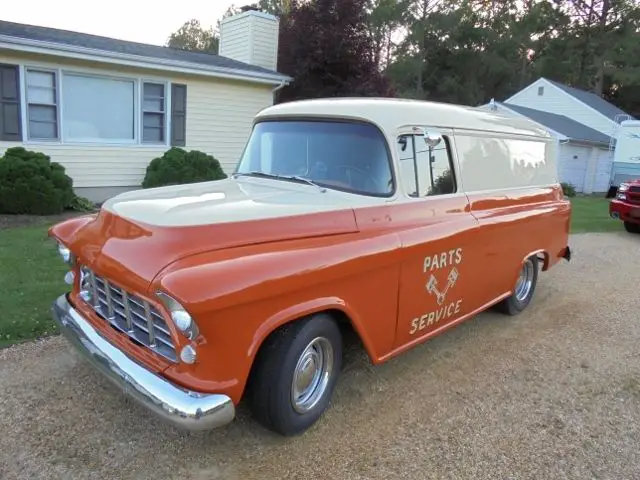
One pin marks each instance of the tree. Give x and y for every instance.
(385, 23)
(193, 37)
(600, 29)
(461, 51)
(275, 7)
(326, 47)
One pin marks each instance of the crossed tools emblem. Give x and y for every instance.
(432, 285)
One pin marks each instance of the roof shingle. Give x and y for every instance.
(561, 124)
(76, 39)
(594, 101)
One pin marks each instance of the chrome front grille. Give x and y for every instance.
(128, 313)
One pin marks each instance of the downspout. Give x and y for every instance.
(280, 86)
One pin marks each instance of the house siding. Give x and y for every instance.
(219, 119)
(559, 102)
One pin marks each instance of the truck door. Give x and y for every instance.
(440, 262)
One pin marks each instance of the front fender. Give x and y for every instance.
(239, 296)
(66, 230)
(220, 280)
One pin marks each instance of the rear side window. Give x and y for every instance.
(425, 171)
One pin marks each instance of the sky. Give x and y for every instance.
(143, 21)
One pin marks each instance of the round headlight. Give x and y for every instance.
(182, 320)
(188, 354)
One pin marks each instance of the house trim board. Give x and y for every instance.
(103, 56)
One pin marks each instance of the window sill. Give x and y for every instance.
(96, 144)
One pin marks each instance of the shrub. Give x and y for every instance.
(568, 189)
(177, 166)
(82, 204)
(30, 183)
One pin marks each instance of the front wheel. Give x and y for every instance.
(632, 227)
(523, 290)
(295, 374)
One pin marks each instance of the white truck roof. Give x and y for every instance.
(391, 113)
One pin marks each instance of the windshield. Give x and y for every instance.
(344, 156)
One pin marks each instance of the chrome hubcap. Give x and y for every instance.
(525, 281)
(311, 375)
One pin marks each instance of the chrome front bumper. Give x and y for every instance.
(183, 408)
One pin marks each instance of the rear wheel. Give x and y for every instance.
(523, 290)
(632, 227)
(295, 374)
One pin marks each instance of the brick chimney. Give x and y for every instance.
(250, 37)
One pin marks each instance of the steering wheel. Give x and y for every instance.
(368, 178)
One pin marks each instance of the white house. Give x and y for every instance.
(583, 123)
(104, 108)
(580, 105)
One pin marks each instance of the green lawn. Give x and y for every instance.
(591, 214)
(31, 273)
(31, 277)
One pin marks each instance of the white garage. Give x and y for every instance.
(572, 164)
(603, 170)
(584, 159)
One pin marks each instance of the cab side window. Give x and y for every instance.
(425, 171)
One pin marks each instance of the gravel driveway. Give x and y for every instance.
(553, 393)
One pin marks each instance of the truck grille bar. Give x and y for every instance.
(129, 313)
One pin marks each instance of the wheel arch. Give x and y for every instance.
(346, 318)
(543, 258)
(541, 255)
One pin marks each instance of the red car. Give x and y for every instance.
(626, 205)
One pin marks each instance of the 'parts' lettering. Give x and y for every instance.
(432, 318)
(442, 260)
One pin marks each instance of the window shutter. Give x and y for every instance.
(10, 121)
(178, 115)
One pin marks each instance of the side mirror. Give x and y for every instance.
(432, 138)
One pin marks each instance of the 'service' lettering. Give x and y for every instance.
(432, 318)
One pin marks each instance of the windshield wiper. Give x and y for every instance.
(306, 180)
(297, 178)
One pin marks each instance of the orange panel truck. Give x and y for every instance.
(393, 219)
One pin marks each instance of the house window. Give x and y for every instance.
(81, 107)
(153, 112)
(540, 91)
(42, 105)
(425, 171)
(98, 109)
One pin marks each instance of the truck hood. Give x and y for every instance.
(139, 233)
(633, 183)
